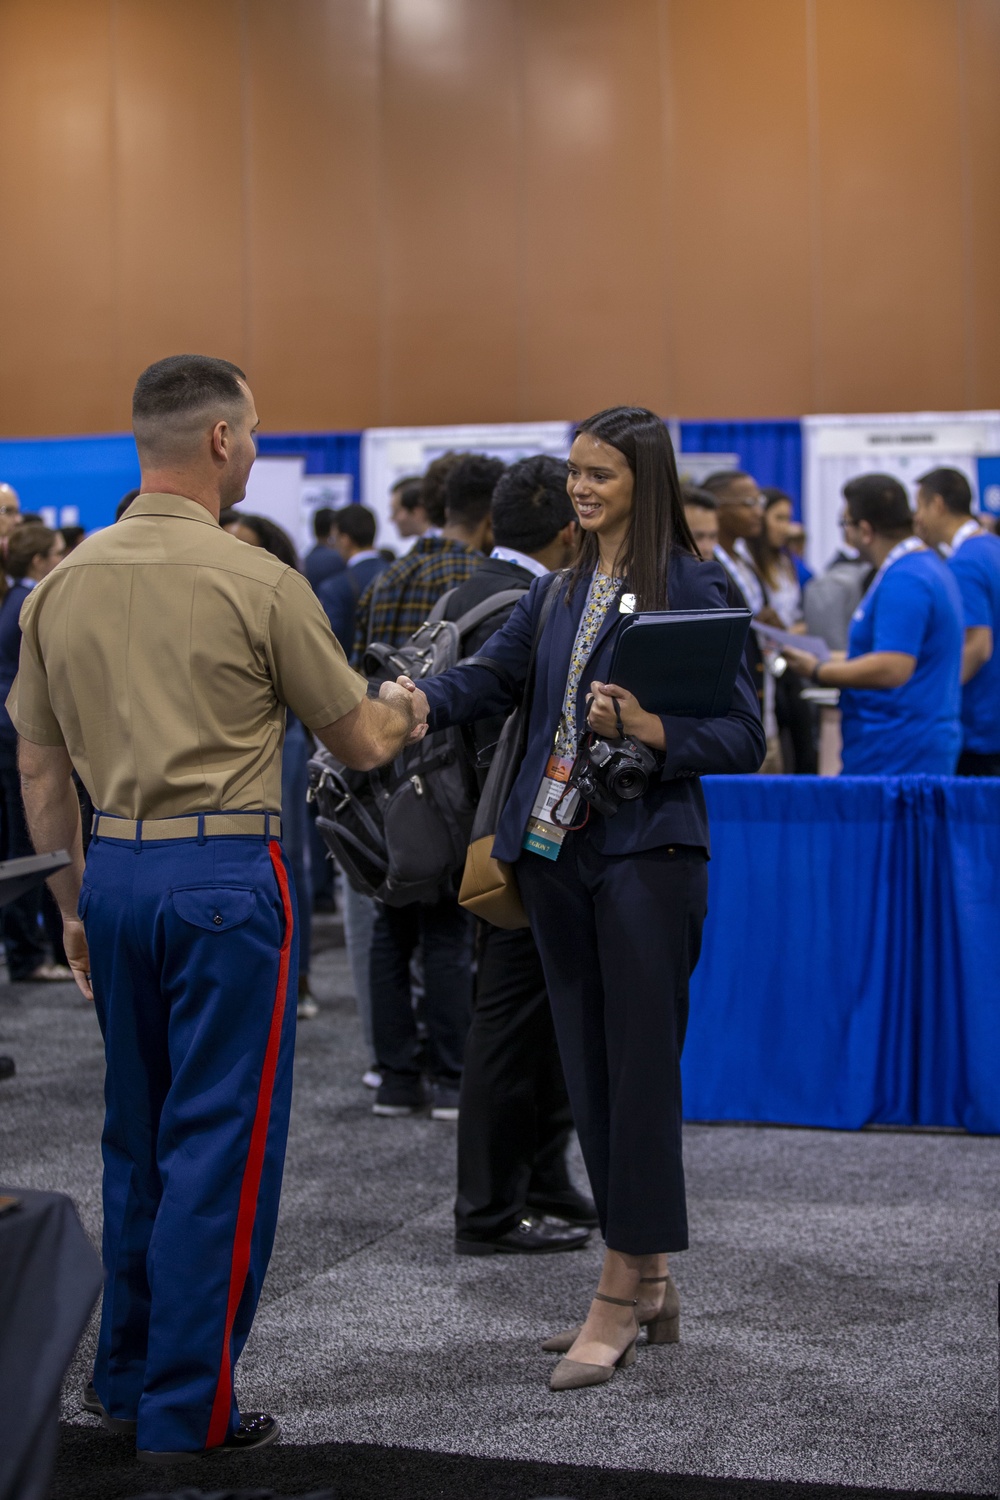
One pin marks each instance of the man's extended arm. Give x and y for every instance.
(376, 730)
(53, 814)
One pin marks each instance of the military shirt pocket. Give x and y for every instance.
(215, 908)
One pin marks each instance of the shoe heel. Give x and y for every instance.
(664, 1329)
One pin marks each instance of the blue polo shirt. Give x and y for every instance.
(976, 566)
(915, 608)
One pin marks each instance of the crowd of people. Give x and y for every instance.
(518, 1035)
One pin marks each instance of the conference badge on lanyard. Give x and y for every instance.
(554, 810)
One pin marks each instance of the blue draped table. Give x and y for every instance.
(850, 972)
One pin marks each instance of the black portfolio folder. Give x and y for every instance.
(681, 662)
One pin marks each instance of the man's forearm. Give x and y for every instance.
(52, 810)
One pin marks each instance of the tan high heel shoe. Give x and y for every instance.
(663, 1328)
(574, 1374)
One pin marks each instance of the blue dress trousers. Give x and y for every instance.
(193, 958)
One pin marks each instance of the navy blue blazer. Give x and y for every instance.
(339, 597)
(322, 562)
(673, 810)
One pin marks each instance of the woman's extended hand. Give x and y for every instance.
(635, 720)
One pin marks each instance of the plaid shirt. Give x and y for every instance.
(409, 588)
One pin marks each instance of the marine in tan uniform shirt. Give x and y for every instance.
(163, 658)
(159, 662)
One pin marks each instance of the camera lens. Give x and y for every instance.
(628, 784)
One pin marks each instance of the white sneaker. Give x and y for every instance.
(307, 1009)
(372, 1079)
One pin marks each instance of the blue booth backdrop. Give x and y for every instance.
(850, 973)
(92, 473)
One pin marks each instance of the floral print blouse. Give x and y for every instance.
(600, 596)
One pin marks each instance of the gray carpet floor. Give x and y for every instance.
(839, 1300)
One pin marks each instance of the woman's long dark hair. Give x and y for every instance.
(658, 521)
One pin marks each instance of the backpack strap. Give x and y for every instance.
(437, 613)
(491, 605)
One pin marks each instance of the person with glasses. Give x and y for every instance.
(740, 504)
(900, 683)
(10, 509)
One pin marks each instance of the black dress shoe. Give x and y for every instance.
(8, 1067)
(256, 1430)
(569, 1205)
(530, 1237)
(92, 1402)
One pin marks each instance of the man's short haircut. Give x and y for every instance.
(409, 493)
(469, 488)
(882, 501)
(323, 522)
(171, 394)
(693, 494)
(530, 505)
(26, 542)
(432, 486)
(356, 522)
(953, 487)
(72, 536)
(720, 481)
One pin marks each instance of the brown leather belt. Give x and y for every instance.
(213, 825)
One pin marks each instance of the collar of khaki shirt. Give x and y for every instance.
(178, 506)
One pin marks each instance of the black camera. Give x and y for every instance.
(610, 772)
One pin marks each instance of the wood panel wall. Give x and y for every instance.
(396, 211)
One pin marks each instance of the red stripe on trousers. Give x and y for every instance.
(218, 1426)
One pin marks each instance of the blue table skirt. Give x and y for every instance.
(850, 972)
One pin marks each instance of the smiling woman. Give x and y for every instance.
(615, 893)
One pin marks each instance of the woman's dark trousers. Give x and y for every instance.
(514, 1119)
(619, 936)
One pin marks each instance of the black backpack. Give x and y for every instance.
(400, 833)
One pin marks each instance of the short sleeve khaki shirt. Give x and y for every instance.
(162, 652)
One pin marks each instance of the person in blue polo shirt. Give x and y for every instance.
(944, 520)
(900, 684)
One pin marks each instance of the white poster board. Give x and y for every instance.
(274, 489)
(332, 491)
(692, 468)
(389, 454)
(905, 445)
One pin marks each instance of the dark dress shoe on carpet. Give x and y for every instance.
(92, 1403)
(8, 1067)
(530, 1237)
(256, 1430)
(569, 1205)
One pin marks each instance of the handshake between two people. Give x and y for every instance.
(407, 697)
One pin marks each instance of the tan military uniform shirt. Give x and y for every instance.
(162, 653)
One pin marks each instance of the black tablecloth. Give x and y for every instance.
(50, 1278)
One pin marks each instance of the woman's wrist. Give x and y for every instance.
(652, 732)
(814, 674)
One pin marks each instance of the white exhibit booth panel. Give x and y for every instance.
(389, 454)
(905, 445)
